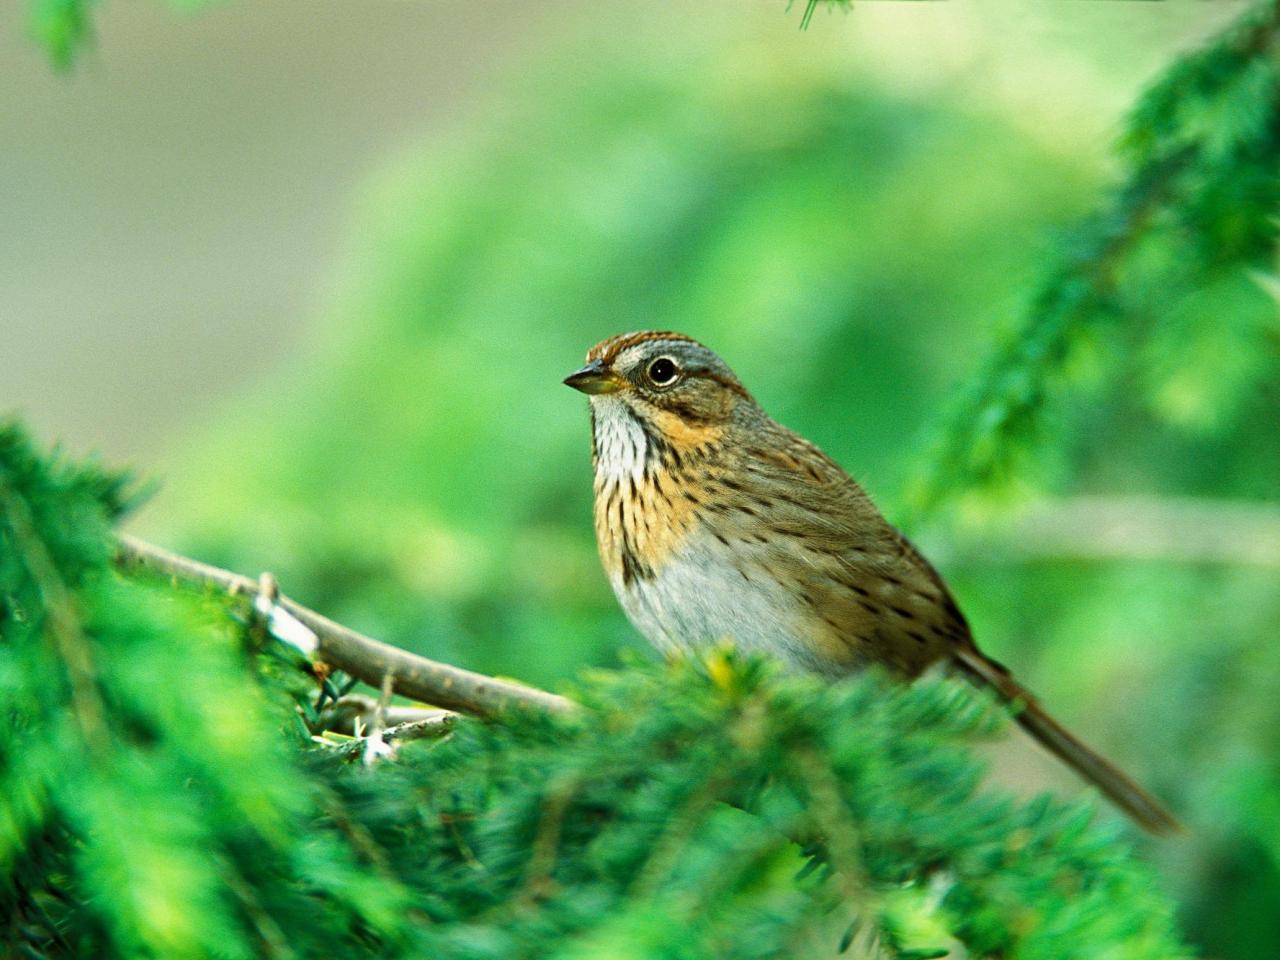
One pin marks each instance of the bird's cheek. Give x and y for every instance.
(685, 434)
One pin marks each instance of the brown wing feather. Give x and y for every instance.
(879, 600)
(876, 597)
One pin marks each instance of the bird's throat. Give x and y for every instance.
(645, 478)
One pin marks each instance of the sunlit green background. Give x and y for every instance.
(319, 271)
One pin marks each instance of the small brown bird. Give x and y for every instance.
(716, 522)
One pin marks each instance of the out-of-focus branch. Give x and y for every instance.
(1232, 533)
(369, 660)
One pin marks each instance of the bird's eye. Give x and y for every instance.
(663, 372)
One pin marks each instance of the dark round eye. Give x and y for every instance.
(663, 372)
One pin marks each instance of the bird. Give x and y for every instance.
(716, 522)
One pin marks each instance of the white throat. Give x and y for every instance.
(621, 445)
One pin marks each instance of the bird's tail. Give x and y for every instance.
(1145, 809)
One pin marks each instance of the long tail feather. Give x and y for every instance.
(1145, 809)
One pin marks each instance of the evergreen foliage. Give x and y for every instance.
(1173, 258)
(148, 799)
(156, 799)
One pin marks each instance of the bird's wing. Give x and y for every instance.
(803, 520)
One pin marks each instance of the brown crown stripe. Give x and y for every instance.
(607, 350)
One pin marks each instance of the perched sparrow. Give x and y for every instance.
(715, 522)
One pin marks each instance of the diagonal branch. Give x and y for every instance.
(363, 657)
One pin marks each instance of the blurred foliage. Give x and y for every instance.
(62, 27)
(149, 803)
(65, 27)
(811, 7)
(800, 222)
(156, 800)
(1156, 343)
(1170, 257)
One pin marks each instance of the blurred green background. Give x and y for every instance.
(319, 272)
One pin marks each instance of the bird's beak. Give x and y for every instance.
(595, 377)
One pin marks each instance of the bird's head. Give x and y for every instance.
(672, 386)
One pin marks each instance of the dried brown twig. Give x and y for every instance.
(369, 660)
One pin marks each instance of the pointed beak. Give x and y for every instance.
(595, 377)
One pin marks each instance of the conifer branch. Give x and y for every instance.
(63, 629)
(369, 660)
(1199, 202)
(668, 808)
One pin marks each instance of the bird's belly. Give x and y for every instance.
(699, 599)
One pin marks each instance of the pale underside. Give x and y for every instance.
(777, 551)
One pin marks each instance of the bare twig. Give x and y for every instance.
(344, 715)
(424, 728)
(370, 660)
(432, 725)
(375, 746)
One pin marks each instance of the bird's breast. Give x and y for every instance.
(670, 530)
(704, 595)
(641, 523)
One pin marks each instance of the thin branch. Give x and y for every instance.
(370, 660)
(425, 728)
(356, 709)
